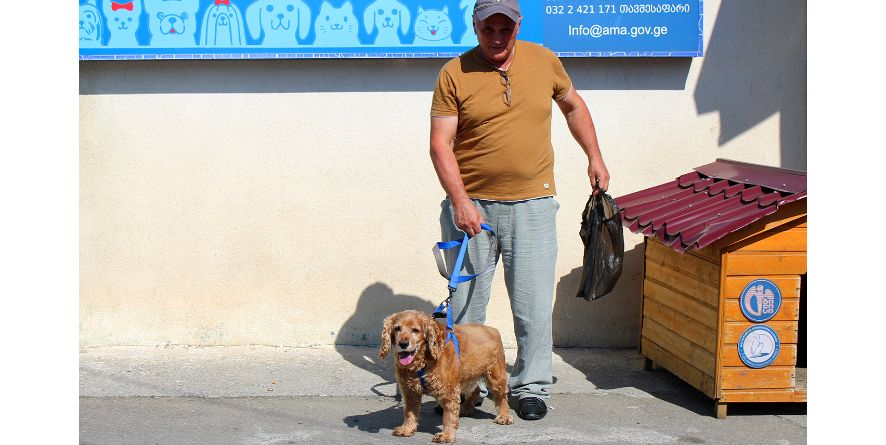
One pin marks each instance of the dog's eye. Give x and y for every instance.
(290, 8)
(397, 329)
(415, 330)
(270, 8)
(394, 11)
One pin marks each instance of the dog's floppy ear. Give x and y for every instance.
(385, 346)
(433, 338)
(369, 18)
(253, 18)
(304, 19)
(405, 19)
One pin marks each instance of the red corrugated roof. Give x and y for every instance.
(714, 200)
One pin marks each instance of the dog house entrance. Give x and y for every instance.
(801, 338)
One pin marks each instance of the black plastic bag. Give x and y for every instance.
(601, 232)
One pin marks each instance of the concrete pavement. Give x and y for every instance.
(331, 395)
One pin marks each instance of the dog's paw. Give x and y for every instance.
(504, 420)
(443, 437)
(402, 431)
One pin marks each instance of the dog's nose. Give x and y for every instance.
(403, 344)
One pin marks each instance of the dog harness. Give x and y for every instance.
(421, 379)
(444, 310)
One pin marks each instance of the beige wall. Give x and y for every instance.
(293, 202)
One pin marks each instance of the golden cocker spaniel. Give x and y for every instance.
(427, 364)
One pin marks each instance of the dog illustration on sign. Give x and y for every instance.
(122, 22)
(433, 27)
(279, 21)
(336, 26)
(90, 25)
(223, 25)
(390, 17)
(173, 23)
(469, 37)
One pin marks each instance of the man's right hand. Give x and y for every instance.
(467, 217)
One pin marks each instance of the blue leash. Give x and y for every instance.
(455, 278)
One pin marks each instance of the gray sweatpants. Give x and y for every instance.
(527, 244)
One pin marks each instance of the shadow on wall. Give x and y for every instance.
(258, 76)
(601, 323)
(628, 73)
(755, 66)
(347, 75)
(363, 328)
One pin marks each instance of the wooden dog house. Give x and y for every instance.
(724, 280)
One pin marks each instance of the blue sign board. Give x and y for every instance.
(760, 300)
(243, 29)
(758, 346)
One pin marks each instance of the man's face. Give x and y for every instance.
(497, 36)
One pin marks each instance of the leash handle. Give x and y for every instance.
(454, 277)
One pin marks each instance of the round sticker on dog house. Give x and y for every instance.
(758, 346)
(760, 300)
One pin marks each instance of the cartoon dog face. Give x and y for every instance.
(173, 23)
(90, 24)
(336, 26)
(387, 16)
(122, 21)
(280, 20)
(223, 25)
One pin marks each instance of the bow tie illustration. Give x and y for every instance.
(115, 6)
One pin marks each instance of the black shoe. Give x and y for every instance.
(439, 409)
(532, 408)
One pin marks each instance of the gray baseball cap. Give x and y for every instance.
(486, 8)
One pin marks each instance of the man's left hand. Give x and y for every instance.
(599, 176)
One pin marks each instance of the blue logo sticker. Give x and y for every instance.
(760, 300)
(758, 346)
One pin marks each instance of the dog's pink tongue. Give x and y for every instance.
(406, 359)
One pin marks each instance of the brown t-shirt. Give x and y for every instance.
(504, 153)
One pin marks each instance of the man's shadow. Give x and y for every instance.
(358, 338)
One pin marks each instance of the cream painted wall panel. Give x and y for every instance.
(294, 202)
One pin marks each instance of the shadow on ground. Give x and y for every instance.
(428, 422)
(375, 303)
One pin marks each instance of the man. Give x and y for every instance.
(491, 148)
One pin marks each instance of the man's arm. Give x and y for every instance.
(443, 129)
(581, 125)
